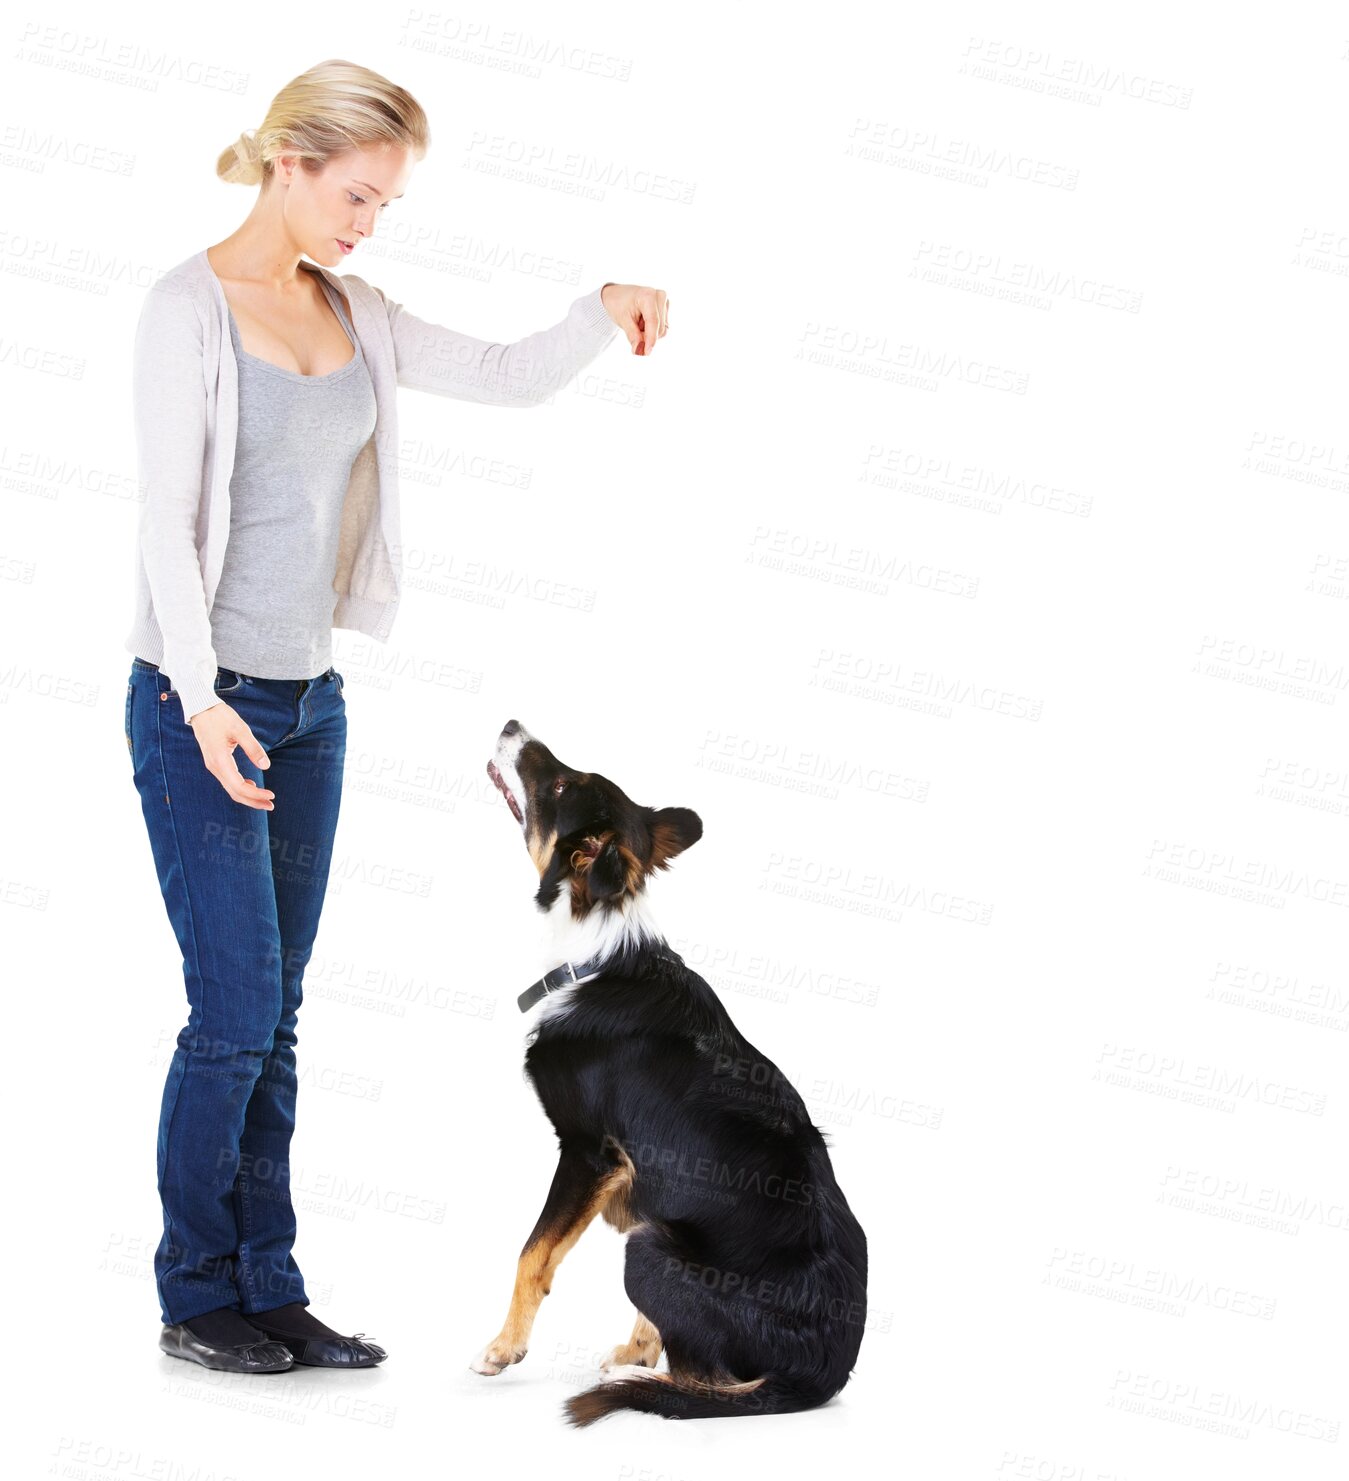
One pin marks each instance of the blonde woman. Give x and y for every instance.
(264, 390)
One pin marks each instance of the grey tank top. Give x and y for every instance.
(272, 616)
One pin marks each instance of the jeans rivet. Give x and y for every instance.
(163, 696)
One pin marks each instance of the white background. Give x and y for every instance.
(1024, 853)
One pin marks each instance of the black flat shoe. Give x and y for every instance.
(266, 1355)
(328, 1352)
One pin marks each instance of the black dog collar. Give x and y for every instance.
(567, 975)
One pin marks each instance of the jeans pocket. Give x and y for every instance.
(341, 683)
(130, 690)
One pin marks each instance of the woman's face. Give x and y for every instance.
(340, 206)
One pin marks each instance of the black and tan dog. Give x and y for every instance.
(743, 1259)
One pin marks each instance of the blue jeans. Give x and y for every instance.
(243, 888)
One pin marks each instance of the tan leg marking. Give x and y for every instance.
(534, 1277)
(643, 1348)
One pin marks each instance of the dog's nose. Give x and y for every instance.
(510, 727)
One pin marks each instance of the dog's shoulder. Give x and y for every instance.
(655, 995)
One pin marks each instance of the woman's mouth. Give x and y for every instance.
(345, 246)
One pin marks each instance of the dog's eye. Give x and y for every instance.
(559, 786)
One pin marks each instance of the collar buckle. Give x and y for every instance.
(558, 980)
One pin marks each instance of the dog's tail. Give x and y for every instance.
(690, 1398)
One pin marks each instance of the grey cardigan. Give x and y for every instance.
(185, 394)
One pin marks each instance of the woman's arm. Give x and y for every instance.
(169, 405)
(430, 357)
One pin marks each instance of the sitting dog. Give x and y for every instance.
(743, 1259)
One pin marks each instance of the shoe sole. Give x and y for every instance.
(300, 1362)
(220, 1367)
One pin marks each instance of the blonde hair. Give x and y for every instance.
(331, 108)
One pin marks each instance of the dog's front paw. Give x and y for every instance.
(496, 1356)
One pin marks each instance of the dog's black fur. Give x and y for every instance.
(742, 1250)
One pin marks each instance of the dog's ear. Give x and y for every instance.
(606, 873)
(602, 866)
(673, 829)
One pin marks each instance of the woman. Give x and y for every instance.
(266, 427)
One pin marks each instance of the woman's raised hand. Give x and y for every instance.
(643, 314)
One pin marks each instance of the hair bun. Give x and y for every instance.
(241, 162)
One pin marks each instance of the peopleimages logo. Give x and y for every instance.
(1211, 1408)
(1237, 1196)
(1118, 1063)
(673, 1165)
(1117, 1279)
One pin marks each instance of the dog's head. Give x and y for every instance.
(583, 832)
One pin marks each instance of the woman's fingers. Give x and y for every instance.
(241, 788)
(642, 313)
(252, 749)
(650, 305)
(219, 730)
